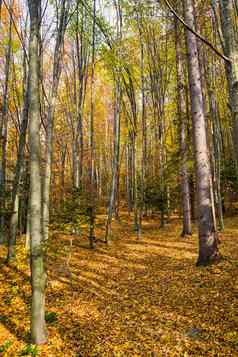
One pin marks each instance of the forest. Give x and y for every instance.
(119, 178)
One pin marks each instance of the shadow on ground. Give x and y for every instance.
(134, 298)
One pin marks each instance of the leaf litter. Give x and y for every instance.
(133, 298)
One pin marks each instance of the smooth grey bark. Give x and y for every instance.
(63, 155)
(117, 129)
(128, 178)
(159, 76)
(208, 242)
(77, 126)
(137, 198)
(132, 138)
(143, 113)
(38, 271)
(205, 86)
(91, 136)
(230, 37)
(100, 175)
(162, 172)
(81, 72)
(116, 156)
(216, 136)
(4, 127)
(216, 126)
(72, 93)
(57, 67)
(17, 175)
(182, 118)
(144, 130)
(28, 233)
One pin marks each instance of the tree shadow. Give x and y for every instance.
(14, 279)
(158, 304)
(133, 300)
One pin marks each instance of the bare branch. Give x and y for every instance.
(203, 39)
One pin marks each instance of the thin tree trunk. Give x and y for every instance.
(137, 203)
(144, 134)
(58, 54)
(128, 178)
(134, 152)
(162, 172)
(62, 174)
(116, 156)
(143, 126)
(117, 122)
(28, 231)
(91, 136)
(17, 176)
(4, 127)
(216, 135)
(82, 53)
(181, 113)
(231, 50)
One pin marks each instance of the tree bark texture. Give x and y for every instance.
(182, 118)
(38, 273)
(208, 242)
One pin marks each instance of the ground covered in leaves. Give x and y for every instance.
(133, 298)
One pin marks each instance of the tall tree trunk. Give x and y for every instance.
(133, 137)
(163, 202)
(38, 272)
(116, 156)
(4, 126)
(230, 36)
(208, 242)
(216, 135)
(58, 54)
(181, 113)
(144, 133)
(62, 173)
(117, 125)
(128, 178)
(82, 53)
(17, 176)
(91, 136)
(143, 124)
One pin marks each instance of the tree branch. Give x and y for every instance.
(203, 39)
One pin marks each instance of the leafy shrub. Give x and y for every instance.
(29, 350)
(51, 317)
(5, 346)
(76, 211)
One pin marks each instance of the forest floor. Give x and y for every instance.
(133, 298)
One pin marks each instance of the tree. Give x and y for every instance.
(117, 125)
(38, 272)
(181, 113)
(230, 37)
(208, 242)
(18, 170)
(63, 7)
(4, 124)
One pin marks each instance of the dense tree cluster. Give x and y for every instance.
(110, 106)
